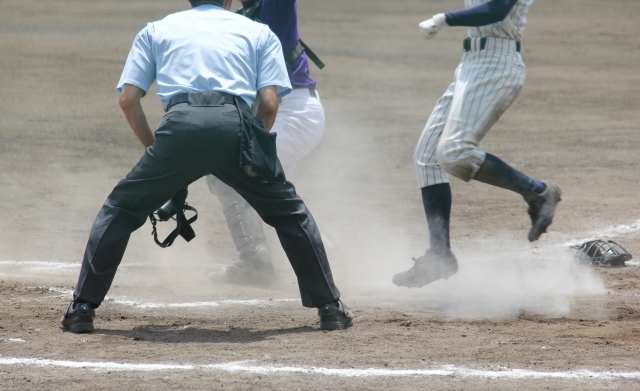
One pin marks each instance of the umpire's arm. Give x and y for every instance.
(268, 105)
(132, 109)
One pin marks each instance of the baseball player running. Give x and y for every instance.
(209, 65)
(487, 81)
(299, 126)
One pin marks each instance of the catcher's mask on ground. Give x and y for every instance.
(600, 252)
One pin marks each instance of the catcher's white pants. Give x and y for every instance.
(299, 125)
(485, 84)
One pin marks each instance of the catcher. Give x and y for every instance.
(299, 126)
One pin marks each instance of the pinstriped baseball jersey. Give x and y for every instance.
(511, 27)
(486, 83)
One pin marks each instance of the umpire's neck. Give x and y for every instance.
(226, 4)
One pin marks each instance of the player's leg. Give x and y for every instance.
(490, 83)
(299, 125)
(245, 225)
(280, 207)
(166, 167)
(432, 178)
(541, 196)
(438, 262)
(148, 186)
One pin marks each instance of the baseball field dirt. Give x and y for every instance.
(516, 316)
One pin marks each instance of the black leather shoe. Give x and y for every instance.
(335, 316)
(78, 318)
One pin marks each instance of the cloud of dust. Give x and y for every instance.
(500, 277)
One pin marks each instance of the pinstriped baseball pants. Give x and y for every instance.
(485, 84)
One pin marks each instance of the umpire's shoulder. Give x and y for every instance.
(249, 23)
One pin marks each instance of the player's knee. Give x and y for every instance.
(459, 159)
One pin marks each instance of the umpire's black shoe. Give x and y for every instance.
(78, 318)
(542, 208)
(432, 266)
(335, 316)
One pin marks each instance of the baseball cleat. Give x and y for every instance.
(430, 267)
(335, 316)
(249, 273)
(542, 207)
(78, 318)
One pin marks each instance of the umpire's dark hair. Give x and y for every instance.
(195, 3)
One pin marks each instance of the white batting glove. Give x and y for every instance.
(430, 27)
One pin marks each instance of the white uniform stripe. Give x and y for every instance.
(505, 80)
(436, 168)
(508, 79)
(478, 100)
(441, 120)
(427, 169)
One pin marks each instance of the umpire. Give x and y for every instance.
(209, 64)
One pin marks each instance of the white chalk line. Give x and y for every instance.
(41, 264)
(57, 265)
(249, 367)
(609, 232)
(150, 305)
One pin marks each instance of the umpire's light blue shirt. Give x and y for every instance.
(206, 48)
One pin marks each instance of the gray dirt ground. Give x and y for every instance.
(64, 144)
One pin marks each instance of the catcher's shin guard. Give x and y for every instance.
(245, 226)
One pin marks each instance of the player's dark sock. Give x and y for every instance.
(437, 206)
(498, 173)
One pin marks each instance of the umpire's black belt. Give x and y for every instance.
(208, 98)
(496, 44)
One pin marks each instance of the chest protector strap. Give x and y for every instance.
(253, 13)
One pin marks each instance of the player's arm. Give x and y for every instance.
(268, 105)
(488, 13)
(272, 79)
(132, 109)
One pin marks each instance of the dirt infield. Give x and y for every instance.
(517, 315)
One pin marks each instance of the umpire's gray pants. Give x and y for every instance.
(193, 141)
